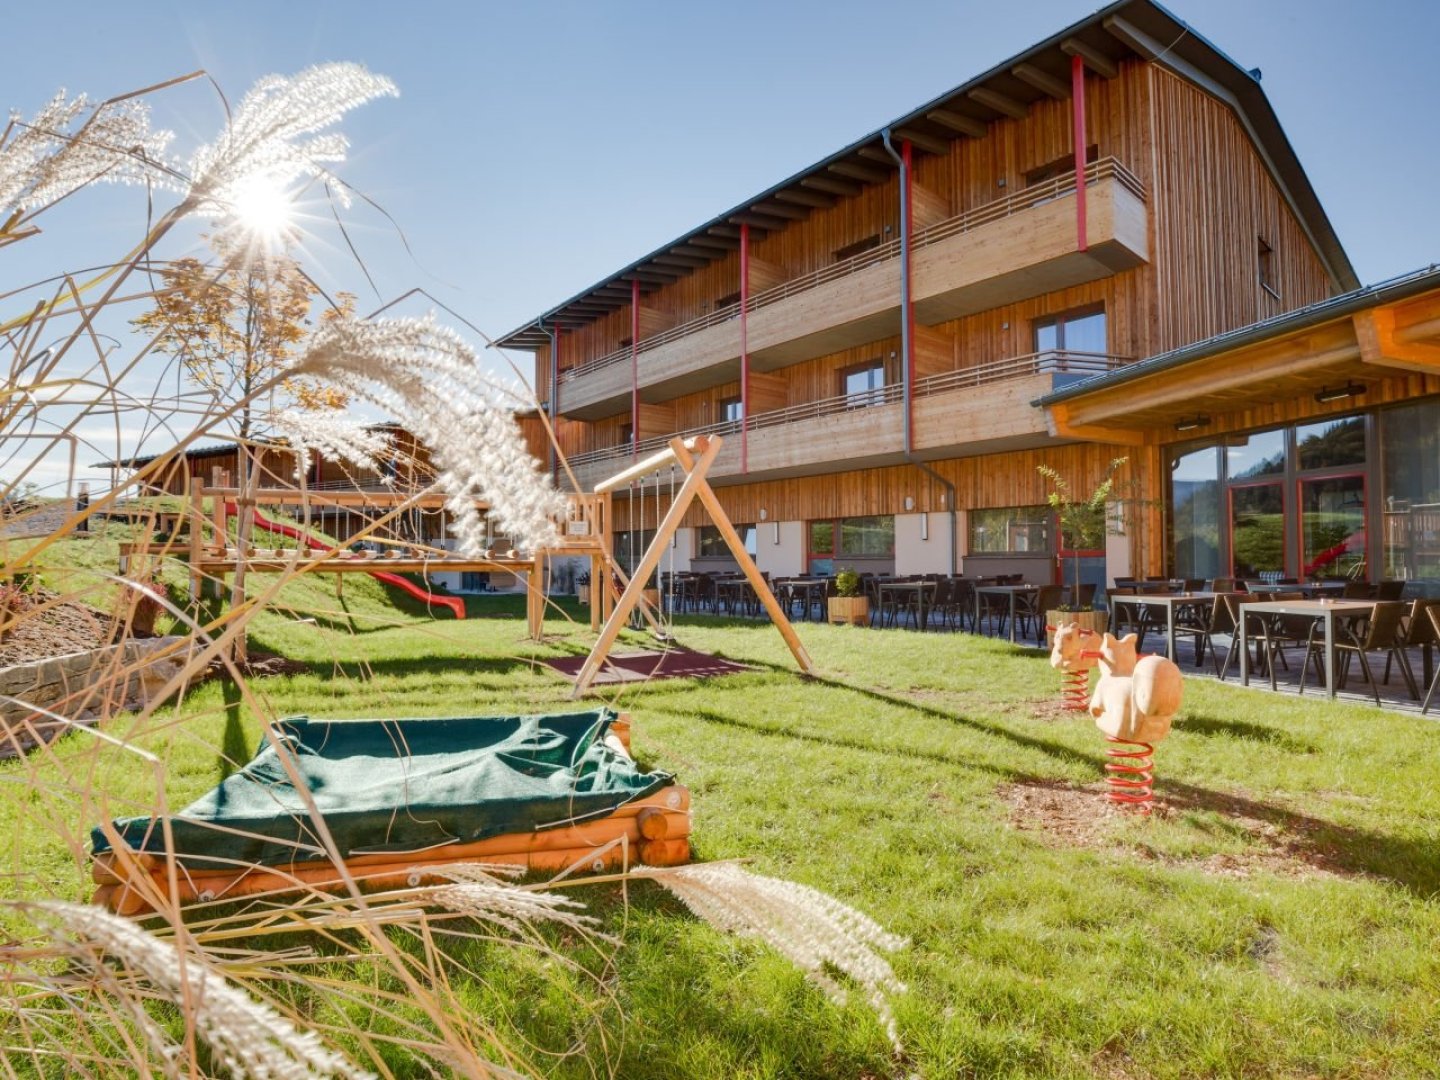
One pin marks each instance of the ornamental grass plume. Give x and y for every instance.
(42, 160)
(426, 378)
(476, 891)
(246, 1037)
(265, 136)
(815, 932)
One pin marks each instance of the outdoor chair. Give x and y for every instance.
(962, 603)
(1225, 584)
(939, 602)
(1419, 633)
(1030, 610)
(1219, 622)
(1433, 613)
(1382, 631)
(1390, 590)
(1279, 632)
(1358, 590)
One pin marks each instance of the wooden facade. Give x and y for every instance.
(1194, 225)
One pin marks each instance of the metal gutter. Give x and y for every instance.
(1336, 307)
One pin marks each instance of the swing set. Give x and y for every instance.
(692, 459)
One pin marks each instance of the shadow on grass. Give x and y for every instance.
(1243, 729)
(234, 750)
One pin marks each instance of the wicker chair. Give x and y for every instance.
(1433, 613)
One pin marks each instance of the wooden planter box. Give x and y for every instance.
(850, 610)
(1088, 620)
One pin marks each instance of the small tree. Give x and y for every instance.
(1082, 523)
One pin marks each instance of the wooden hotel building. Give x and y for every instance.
(1104, 247)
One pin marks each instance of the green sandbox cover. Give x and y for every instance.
(402, 786)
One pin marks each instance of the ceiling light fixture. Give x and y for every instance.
(1190, 423)
(1340, 393)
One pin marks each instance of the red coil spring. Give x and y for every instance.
(1075, 690)
(1130, 774)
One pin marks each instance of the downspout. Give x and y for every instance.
(907, 342)
(551, 405)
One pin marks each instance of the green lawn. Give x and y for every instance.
(1279, 918)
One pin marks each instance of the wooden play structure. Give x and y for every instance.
(694, 458)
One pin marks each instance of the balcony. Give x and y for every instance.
(977, 410)
(1017, 247)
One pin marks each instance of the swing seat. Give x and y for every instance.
(398, 797)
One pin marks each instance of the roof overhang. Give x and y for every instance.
(1345, 343)
(1127, 29)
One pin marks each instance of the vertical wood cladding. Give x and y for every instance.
(1212, 202)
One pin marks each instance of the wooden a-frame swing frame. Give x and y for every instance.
(694, 456)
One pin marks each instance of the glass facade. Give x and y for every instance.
(709, 544)
(1355, 496)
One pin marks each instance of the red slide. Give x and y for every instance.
(454, 603)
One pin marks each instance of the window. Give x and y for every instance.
(1195, 513)
(849, 251)
(1010, 530)
(1061, 166)
(1410, 489)
(709, 544)
(868, 537)
(731, 409)
(1331, 443)
(1251, 456)
(627, 435)
(1081, 331)
(728, 299)
(863, 384)
(1266, 260)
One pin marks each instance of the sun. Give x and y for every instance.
(263, 208)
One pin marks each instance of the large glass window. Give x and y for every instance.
(1332, 526)
(709, 544)
(1248, 457)
(1331, 443)
(1410, 492)
(868, 537)
(1257, 529)
(1195, 514)
(1079, 331)
(1010, 530)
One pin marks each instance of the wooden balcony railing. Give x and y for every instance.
(1052, 362)
(1104, 169)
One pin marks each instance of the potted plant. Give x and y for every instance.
(1083, 527)
(582, 587)
(849, 605)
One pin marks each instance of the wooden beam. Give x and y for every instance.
(1059, 89)
(702, 252)
(680, 260)
(1094, 59)
(694, 480)
(721, 243)
(878, 154)
(805, 198)
(1381, 346)
(730, 231)
(832, 184)
(993, 99)
(931, 144)
(856, 171)
(955, 121)
(780, 209)
(757, 221)
(1057, 421)
(650, 272)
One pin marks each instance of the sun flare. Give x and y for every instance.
(263, 208)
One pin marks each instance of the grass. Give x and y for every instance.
(1143, 952)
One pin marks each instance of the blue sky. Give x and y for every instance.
(537, 147)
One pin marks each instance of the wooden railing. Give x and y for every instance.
(1014, 203)
(1051, 362)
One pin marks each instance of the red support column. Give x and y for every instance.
(1077, 101)
(555, 403)
(744, 349)
(907, 155)
(635, 369)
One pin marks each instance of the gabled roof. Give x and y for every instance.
(1122, 30)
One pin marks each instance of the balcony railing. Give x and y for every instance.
(1104, 169)
(1051, 362)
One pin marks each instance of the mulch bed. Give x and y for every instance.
(645, 665)
(1082, 816)
(58, 631)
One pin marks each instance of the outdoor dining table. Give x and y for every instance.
(919, 588)
(1311, 589)
(809, 587)
(1012, 591)
(734, 591)
(1170, 602)
(1326, 611)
